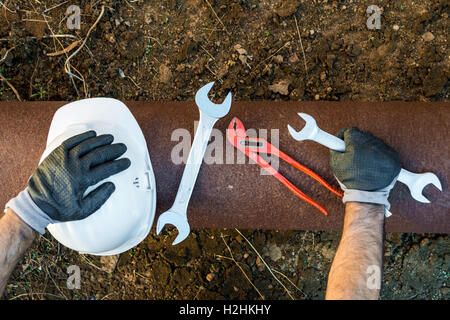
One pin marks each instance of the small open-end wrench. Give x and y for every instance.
(416, 182)
(209, 114)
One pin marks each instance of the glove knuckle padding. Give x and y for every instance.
(75, 140)
(93, 143)
(367, 163)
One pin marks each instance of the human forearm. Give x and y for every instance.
(15, 238)
(360, 253)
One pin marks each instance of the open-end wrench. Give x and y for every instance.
(209, 114)
(416, 182)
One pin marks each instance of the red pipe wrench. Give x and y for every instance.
(236, 135)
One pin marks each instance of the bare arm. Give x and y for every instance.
(359, 257)
(15, 238)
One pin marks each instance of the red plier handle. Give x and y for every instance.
(253, 146)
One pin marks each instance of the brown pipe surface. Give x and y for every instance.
(236, 195)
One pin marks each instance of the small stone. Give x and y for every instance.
(428, 36)
(327, 253)
(108, 263)
(239, 49)
(281, 87)
(278, 59)
(180, 67)
(395, 27)
(295, 94)
(293, 58)
(148, 18)
(259, 264)
(243, 56)
(311, 32)
(110, 38)
(164, 73)
(245, 255)
(210, 276)
(445, 290)
(274, 252)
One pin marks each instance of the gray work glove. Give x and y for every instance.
(55, 191)
(367, 170)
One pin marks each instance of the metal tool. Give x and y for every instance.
(236, 135)
(416, 182)
(209, 114)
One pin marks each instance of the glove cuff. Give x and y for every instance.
(24, 206)
(378, 197)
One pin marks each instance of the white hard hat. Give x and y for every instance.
(127, 216)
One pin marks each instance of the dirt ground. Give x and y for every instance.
(261, 50)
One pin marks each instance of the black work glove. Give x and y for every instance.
(367, 170)
(58, 185)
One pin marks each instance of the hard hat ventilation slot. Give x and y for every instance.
(143, 179)
(136, 182)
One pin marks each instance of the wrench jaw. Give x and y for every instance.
(211, 109)
(418, 196)
(420, 184)
(309, 130)
(177, 220)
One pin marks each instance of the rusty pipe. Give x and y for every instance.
(237, 195)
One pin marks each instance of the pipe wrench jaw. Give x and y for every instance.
(237, 136)
(236, 128)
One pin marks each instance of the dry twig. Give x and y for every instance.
(55, 6)
(65, 50)
(232, 258)
(216, 16)
(301, 44)
(37, 293)
(272, 55)
(289, 280)
(2, 78)
(67, 63)
(6, 54)
(3, 5)
(267, 266)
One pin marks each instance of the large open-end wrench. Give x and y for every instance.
(209, 114)
(416, 182)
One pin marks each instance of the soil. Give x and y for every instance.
(153, 50)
